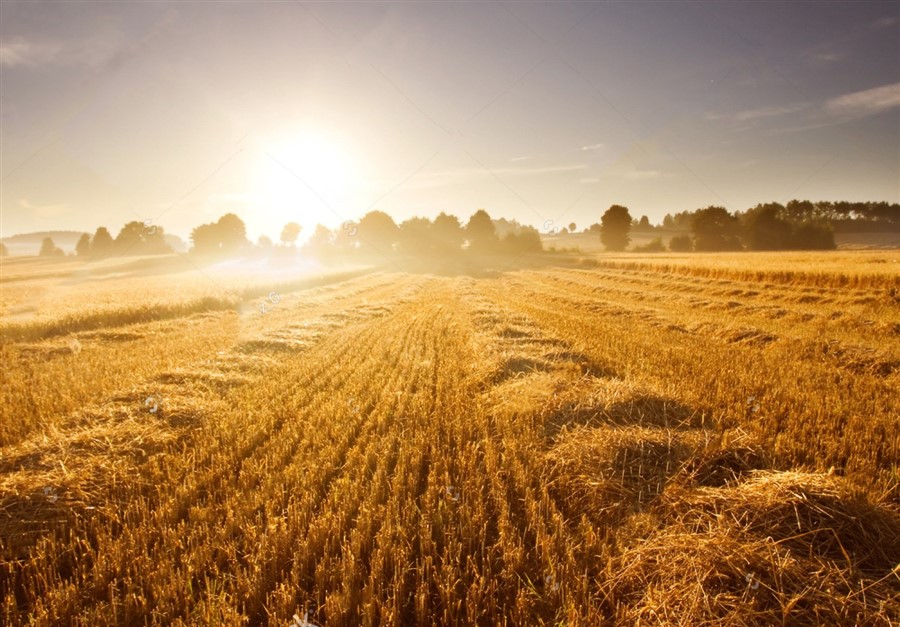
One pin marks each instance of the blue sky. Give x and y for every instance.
(543, 112)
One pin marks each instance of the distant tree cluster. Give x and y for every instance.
(376, 234)
(135, 238)
(799, 225)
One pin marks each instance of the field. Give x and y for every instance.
(657, 439)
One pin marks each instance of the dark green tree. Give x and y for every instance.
(681, 244)
(766, 229)
(714, 229)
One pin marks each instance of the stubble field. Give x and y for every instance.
(616, 440)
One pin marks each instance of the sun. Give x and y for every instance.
(304, 178)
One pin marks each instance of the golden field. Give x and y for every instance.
(582, 440)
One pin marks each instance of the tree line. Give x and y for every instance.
(377, 234)
(798, 225)
(135, 238)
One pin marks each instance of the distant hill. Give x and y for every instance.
(30, 243)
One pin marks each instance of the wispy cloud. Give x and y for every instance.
(759, 112)
(644, 175)
(836, 110)
(885, 22)
(517, 159)
(768, 112)
(593, 147)
(826, 56)
(866, 102)
(19, 52)
(45, 211)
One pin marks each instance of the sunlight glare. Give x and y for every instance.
(306, 179)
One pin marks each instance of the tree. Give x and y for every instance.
(480, 232)
(415, 236)
(290, 233)
(49, 249)
(765, 229)
(800, 210)
(322, 240)
(264, 242)
(205, 239)
(102, 243)
(232, 234)
(83, 247)
(813, 235)
(377, 232)
(653, 246)
(614, 227)
(139, 238)
(4, 251)
(572, 227)
(681, 244)
(447, 233)
(715, 229)
(526, 240)
(228, 236)
(644, 224)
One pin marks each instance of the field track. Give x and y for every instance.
(564, 445)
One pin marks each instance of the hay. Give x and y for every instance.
(780, 548)
(608, 471)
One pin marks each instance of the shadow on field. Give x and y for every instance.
(646, 410)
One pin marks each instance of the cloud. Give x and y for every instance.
(643, 175)
(759, 112)
(833, 111)
(768, 112)
(827, 56)
(593, 147)
(19, 52)
(516, 159)
(45, 211)
(884, 22)
(866, 102)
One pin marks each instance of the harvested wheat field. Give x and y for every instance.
(619, 440)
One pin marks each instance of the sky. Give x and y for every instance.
(543, 112)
